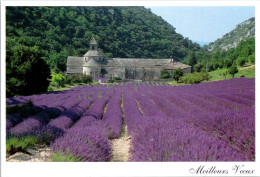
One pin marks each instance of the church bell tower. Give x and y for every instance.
(93, 45)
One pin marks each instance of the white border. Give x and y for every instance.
(80, 169)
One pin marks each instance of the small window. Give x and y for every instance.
(93, 48)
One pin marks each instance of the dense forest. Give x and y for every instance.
(120, 31)
(39, 39)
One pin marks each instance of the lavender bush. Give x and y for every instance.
(87, 144)
(212, 121)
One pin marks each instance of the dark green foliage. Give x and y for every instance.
(74, 78)
(191, 60)
(110, 81)
(210, 67)
(224, 59)
(227, 63)
(241, 61)
(198, 67)
(233, 70)
(26, 70)
(68, 79)
(86, 79)
(177, 74)
(121, 32)
(194, 78)
(117, 78)
(20, 110)
(164, 74)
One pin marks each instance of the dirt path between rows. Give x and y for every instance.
(121, 146)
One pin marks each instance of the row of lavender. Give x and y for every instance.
(55, 110)
(204, 122)
(77, 122)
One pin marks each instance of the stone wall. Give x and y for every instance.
(187, 70)
(152, 74)
(134, 73)
(145, 74)
(93, 71)
(74, 70)
(111, 72)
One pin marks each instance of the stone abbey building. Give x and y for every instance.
(97, 64)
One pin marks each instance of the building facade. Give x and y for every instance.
(97, 64)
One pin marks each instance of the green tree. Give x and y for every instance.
(193, 60)
(26, 71)
(198, 67)
(241, 61)
(120, 31)
(177, 74)
(251, 58)
(233, 70)
(227, 63)
(164, 74)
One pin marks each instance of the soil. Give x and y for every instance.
(31, 155)
(121, 147)
(247, 67)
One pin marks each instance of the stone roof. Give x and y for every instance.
(75, 61)
(93, 41)
(94, 53)
(176, 65)
(140, 62)
(92, 63)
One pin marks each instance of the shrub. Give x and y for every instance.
(177, 74)
(194, 78)
(216, 65)
(89, 144)
(241, 61)
(198, 67)
(233, 70)
(57, 79)
(251, 59)
(16, 144)
(75, 78)
(117, 78)
(68, 79)
(86, 79)
(210, 67)
(110, 81)
(164, 74)
(227, 63)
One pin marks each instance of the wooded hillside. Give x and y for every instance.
(120, 31)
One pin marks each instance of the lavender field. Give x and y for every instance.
(212, 121)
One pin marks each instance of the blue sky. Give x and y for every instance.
(204, 24)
